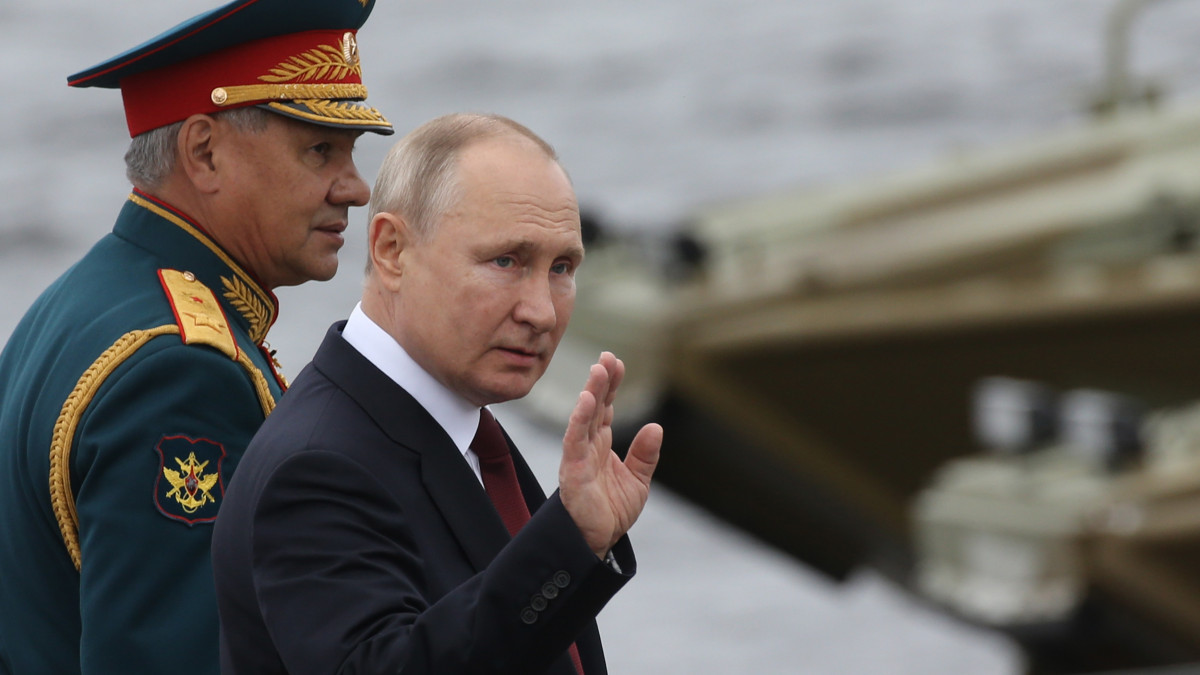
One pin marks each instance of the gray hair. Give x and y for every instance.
(151, 155)
(418, 179)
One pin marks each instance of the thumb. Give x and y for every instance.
(643, 454)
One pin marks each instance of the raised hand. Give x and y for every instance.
(604, 495)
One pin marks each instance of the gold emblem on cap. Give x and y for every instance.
(323, 62)
(312, 74)
(349, 48)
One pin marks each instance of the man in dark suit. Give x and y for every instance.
(369, 529)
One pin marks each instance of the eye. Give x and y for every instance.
(505, 261)
(322, 148)
(563, 267)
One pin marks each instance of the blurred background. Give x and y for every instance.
(911, 289)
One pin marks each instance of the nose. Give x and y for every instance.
(350, 188)
(535, 307)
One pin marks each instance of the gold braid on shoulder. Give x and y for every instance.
(62, 498)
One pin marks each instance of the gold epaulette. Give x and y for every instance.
(200, 317)
(201, 321)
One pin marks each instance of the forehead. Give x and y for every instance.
(512, 162)
(513, 175)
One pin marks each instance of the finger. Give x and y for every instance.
(644, 452)
(607, 359)
(598, 387)
(616, 375)
(616, 372)
(575, 439)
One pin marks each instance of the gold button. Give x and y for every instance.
(349, 49)
(219, 96)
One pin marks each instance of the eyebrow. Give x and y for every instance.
(525, 246)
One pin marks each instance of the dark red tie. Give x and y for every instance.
(500, 481)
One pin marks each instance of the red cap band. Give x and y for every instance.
(319, 64)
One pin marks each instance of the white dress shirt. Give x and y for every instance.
(457, 416)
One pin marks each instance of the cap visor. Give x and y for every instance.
(339, 113)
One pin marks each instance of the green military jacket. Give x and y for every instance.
(128, 393)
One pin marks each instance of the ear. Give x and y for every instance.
(388, 239)
(194, 151)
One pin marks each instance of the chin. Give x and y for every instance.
(505, 394)
(324, 272)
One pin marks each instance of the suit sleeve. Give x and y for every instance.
(147, 602)
(339, 581)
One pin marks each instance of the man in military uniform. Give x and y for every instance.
(131, 387)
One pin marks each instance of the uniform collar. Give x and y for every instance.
(184, 245)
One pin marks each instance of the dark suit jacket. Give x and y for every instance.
(355, 539)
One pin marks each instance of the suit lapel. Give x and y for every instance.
(465, 506)
(451, 484)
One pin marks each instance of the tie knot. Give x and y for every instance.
(489, 440)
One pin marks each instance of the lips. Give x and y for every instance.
(519, 351)
(521, 355)
(333, 228)
(334, 232)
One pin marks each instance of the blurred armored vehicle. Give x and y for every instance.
(978, 378)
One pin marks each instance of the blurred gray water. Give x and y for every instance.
(656, 107)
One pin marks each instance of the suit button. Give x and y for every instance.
(538, 603)
(529, 616)
(550, 591)
(562, 579)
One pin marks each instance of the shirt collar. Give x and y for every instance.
(457, 416)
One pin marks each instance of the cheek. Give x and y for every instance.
(265, 195)
(481, 316)
(564, 306)
(476, 291)
(452, 304)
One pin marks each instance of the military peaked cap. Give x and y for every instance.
(298, 58)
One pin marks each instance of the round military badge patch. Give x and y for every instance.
(189, 485)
